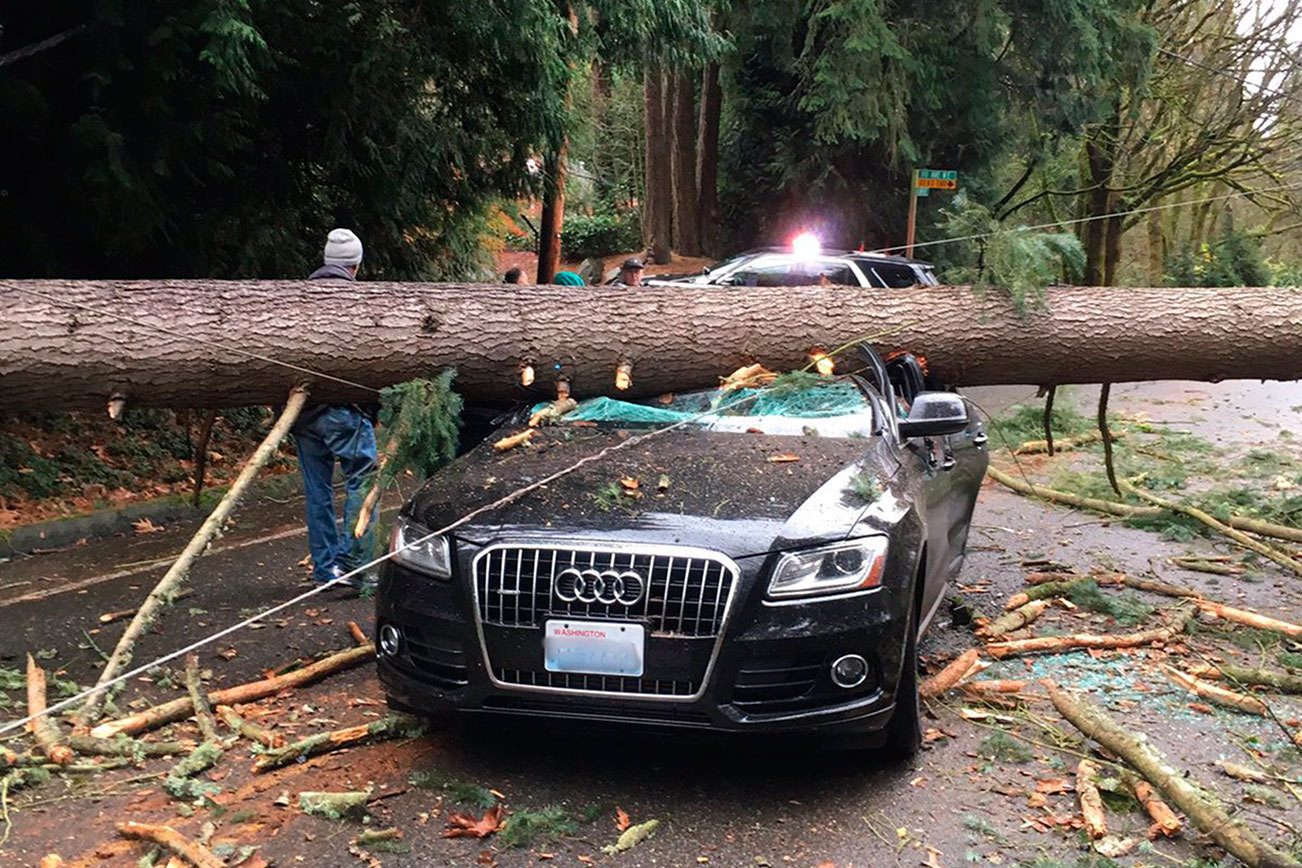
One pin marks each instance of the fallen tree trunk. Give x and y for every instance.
(73, 344)
(1205, 810)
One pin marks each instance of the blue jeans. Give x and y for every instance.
(336, 434)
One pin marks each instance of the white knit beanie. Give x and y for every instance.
(343, 247)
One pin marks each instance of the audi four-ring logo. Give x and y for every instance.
(599, 586)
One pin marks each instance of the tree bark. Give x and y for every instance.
(687, 227)
(190, 342)
(707, 160)
(657, 211)
(553, 215)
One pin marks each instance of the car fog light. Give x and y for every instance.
(849, 671)
(390, 640)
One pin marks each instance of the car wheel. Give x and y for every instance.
(904, 732)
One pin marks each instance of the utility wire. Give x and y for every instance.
(279, 607)
(68, 303)
(1242, 82)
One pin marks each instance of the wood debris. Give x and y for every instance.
(1173, 626)
(165, 836)
(951, 675)
(1219, 695)
(392, 726)
(514, 440)
(1091, 801)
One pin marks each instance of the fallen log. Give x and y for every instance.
(950, 675)
(1282, 682)
(1016, 619)
(1250, 619)
(1216, 694)
(1173, 626)
(1125, 510)
(1066, 444)
(1234, 535)
(199, 341)
(43, 729)
(392, 726)
(1165, 821)
(1091, 801)
(249, 730)
(1206, 810)
(165, 836)
(180, 709)
(126, 747)
(170, 583)
(202, 712)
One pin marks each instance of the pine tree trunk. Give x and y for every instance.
(1094, 234)
(54, 356)
(707, 160)
(657, 213)
(1156, 248)
(553, 215)
(687, 227)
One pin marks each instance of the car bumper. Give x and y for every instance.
(768, 672)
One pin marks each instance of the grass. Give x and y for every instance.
(1002, 746)
(524, 827)
(1289, 659)
(612, 496)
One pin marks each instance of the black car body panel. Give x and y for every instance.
(727, 656)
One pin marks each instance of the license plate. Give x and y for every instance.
(593, 647)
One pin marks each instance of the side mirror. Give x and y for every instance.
(935, 414)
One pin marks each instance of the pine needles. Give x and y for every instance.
(421, 421)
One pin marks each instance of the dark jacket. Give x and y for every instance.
(330, 271)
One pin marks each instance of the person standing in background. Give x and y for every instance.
(345, 433)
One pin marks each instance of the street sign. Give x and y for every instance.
(937, 179)
(924, 181)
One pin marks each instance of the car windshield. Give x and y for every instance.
(831, 408)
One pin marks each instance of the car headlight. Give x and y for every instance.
(847, 566)
(413, 546)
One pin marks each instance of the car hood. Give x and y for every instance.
(739, 494)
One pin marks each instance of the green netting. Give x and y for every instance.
(821, 401)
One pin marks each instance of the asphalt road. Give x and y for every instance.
(720, 802)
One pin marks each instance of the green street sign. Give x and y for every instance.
(936, 179)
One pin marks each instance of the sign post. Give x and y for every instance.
(924, 181)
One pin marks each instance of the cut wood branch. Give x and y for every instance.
(393, 726)
(355, 630)
(171, 581)
(165, 836)
(1205, 565)
(1165, 821)
(1214, 693)
(1236, 536)
(394, 440)
(1066, 498)
(1018, 618)
(1066, 444)
(514, 440)
(46, 731)
(1281, 682)
(1205, 809)
(1080, 335)
(202, 712)
(1091, 801)
(1173, 626)
(950, 675)
(249, 730)
(180, 709)
(1250, 619)
(127, 747)
(1126, 510)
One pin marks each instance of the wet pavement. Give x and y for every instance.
(720, 802)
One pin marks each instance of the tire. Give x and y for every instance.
(904, 731)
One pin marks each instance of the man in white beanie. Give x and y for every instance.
(343, 433)
(343, 256)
